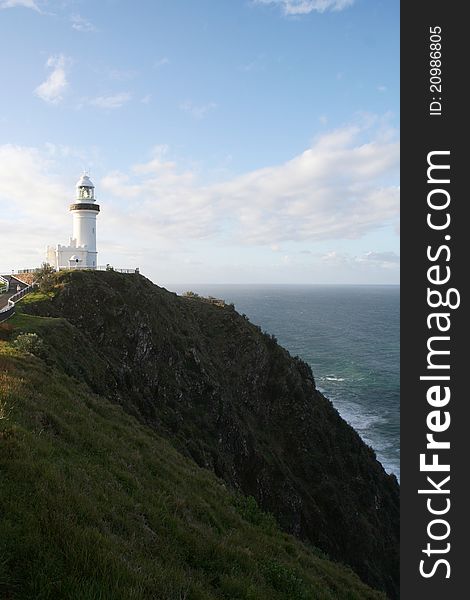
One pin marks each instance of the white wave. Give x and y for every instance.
(363, 421)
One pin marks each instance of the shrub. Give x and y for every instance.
(31, 343)
(285, 580)
(44, 277)
(248, 508)
(6, 331)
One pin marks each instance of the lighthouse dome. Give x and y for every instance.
(85, 181)
(85, 189)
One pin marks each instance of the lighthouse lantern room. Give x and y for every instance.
(81, 252)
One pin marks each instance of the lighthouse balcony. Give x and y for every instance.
(85, 206)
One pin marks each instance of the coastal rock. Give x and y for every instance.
(228, 396)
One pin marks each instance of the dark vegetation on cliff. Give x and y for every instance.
(224, 395)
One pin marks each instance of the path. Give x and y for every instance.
(4, 299)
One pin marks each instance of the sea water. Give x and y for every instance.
(350, 337)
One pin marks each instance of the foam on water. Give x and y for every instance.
(350, 337)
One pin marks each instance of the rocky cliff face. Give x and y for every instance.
(231, 398)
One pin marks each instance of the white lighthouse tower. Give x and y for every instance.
(84, 212)
(82, 250)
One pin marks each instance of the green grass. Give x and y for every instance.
(95, 505)
(37, 296)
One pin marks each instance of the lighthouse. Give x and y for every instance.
(81, 251)
(84, 212)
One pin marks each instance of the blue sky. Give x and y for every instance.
(231, 141)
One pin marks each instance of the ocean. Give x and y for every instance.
(350, 337)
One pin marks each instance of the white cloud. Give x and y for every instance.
(19, 3)
(112, 101)
(161, 62)
(28, 192)
(382, 88)
(26, 180)
(304, 7)
(122, 74)
(52, 89)
(381, 260)
(197, 111)
(385, 260)
(81, 24)
(257, 64)
(342, 187)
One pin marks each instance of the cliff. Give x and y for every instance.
(228, 397)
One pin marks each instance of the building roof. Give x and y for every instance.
(27, 278)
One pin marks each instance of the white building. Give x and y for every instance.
(81, 252)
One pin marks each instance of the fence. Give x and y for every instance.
(100, 268)
(6, 312)
(9, 310)
(3, 284)
(81, 268)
